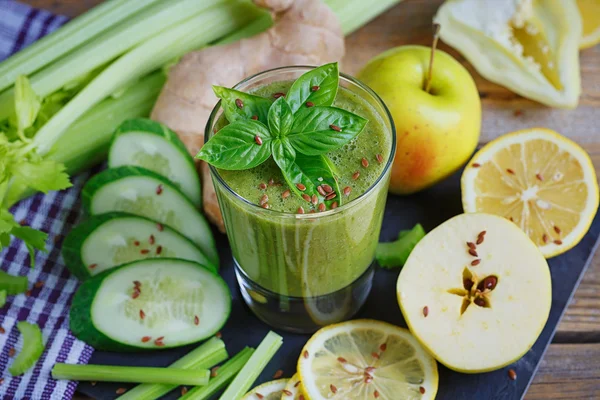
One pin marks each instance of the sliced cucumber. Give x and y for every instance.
(145, 143)
(33, 347)
(108, 240)
(150, 304)
(139, 191)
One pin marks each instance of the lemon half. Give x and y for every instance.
(540, 180)
(366, 359)
(590, 18)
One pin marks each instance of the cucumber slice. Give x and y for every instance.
(139, 191)
(145, 143)
(150, 304)
(107, 240)
(33, 347)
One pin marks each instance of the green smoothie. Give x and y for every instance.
(315, 253)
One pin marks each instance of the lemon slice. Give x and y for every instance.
(267, 391)
(366, 359)
(590, 18)
(293, 389)
(540, 180)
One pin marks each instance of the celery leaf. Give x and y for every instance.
(27, 105)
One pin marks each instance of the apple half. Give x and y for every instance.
(476, 292)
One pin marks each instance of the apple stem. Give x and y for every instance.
(436, 36)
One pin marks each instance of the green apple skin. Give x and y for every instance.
(436, 131)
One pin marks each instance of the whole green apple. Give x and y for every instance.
(436, 130)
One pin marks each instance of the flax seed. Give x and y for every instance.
(475, 165)
(356, 175)
(334, 205)
(196, 320)
(331, 196)
(347, 191)
(306, 197)
(315, 200)
(278, 374)
(315, 88)
(539, 177)
(213, 371)
(558, 242)
(310, 104)
(278, 95)
(160, 227)
(510, 171)
(136, 243)
(473, 253)
(120, 390)
(262, 186)
(364, 162)
(375, 355)
(342, 360)
(2, 330)
(328, 189)
(135, 294)
(264, 199)
(159, 189)
(475, 262)
(512, 374)
(218, 335)
(144, 251)
(379, 158)
(421, 390)
(322, 207)
(300, 210)
(151, 239)
(557, 229)
(286, 194)
(471, 245)
(184, 390)
(39, 284)
(321, 190)
(335, 128)
(254, 117)
(239, 103)
(425, 311)
(12, 352)
(142, 314)
(146, 339)
(158, 250)
(266, 206)
(305, 354)
(92, 266)
(545, 238)
(376, 394)
(260, 396)
(137, 284)
(301, 187)
(333, 388)
(287, 392)
(28, 293)
(258, 140)
(383, 347)
(297, 384)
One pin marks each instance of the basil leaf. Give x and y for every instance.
(235, 146)
(312, 133)
(252, 106)
(326, 78)
(320, 171)
(285, 157)
(280, 118)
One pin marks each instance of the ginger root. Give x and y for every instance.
(306, 32)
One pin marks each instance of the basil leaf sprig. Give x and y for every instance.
(297, 130)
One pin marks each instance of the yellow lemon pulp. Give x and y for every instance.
(540, 180)
(366, 359)
(267, 391)
(590, 17)
(293, 389)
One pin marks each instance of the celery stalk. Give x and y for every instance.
(355, 13)
(207, 355)
(117, 373)
(53, 46)
(224, 375)
(174, 42)
(145, 25)
(255, 365)
(86, 142)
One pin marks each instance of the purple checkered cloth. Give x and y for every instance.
(51, 285)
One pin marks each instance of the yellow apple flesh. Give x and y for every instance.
(475, 307)
(436, 131)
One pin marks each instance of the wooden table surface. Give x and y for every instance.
(571, 367)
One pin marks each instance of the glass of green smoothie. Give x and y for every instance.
(302, 232)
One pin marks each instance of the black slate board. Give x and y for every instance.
(430, 208)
